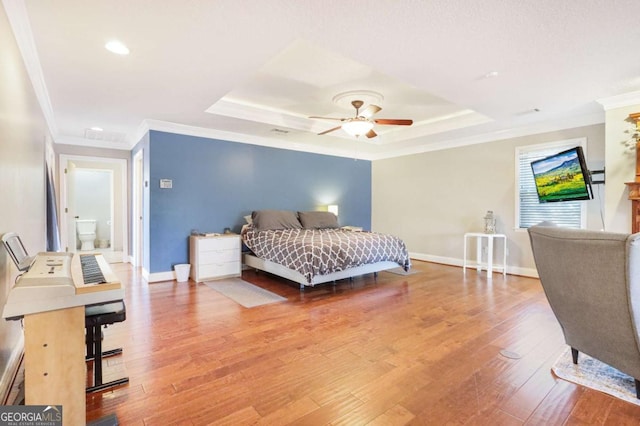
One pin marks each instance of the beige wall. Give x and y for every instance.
(620, 167)
(23, 133)
(431, 199)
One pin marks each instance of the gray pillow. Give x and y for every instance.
(264, 220)
(318, 220)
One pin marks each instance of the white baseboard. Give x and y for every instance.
(12, 369)
(160, 276)
(145, 274)
(525, 272)
(436, 259)
(514, 270)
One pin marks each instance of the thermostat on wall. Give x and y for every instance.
(166, 183)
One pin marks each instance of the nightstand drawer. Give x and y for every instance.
(218, 256)
(219, 243)
(220, 269)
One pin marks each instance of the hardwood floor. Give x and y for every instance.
(417, 349)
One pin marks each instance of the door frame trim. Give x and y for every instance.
(137, 207)
(64, 160)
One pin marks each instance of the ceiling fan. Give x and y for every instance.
(362, 123)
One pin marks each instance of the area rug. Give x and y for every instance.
(400, 271)
(244, 293)
(596, 375)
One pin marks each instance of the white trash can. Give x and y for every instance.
(182, 272)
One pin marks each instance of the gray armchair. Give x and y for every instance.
(592, 282)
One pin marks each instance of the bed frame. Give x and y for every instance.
(290, 274)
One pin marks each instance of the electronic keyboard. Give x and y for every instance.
(62, 280)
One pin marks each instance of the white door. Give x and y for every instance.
(69, 207)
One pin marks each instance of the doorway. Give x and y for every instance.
(93, 190)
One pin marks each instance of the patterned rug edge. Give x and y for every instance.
(593, 374)
(244, 293)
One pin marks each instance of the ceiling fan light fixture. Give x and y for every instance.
(357, 127)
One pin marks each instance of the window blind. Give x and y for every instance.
(567, 214)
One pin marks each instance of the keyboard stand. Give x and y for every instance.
(55, 373)
(95, 317)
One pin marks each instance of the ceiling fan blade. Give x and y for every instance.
(371, 134)
(330, 130)
(328, 118)
(397, 122)
(369, 111)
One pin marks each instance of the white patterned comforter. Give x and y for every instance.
(314, 252)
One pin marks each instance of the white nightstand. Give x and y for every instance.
(215, 257)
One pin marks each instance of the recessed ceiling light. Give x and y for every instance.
(97, 129)
(117, 47)
(491, 74)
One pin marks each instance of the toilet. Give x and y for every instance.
(86, 230)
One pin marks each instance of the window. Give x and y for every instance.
(529, 211)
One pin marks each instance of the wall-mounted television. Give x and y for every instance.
(562, 177)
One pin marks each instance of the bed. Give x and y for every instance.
(310, 248)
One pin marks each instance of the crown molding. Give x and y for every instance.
(550, 126)
(620, 101)
(182, 129)
(230, 107)
(164, 126)
(142, 130)
(93, 143)
(18, 19)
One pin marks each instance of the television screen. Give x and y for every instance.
(562, 177)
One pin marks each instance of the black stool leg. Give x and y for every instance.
(111, 352)
(97, 361)
(90, 343)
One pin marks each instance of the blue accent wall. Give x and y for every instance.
(215, 183)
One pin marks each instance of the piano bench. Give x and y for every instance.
(95, 316)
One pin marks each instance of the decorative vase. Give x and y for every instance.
(489, 223)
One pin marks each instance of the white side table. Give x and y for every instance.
(479, 236)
